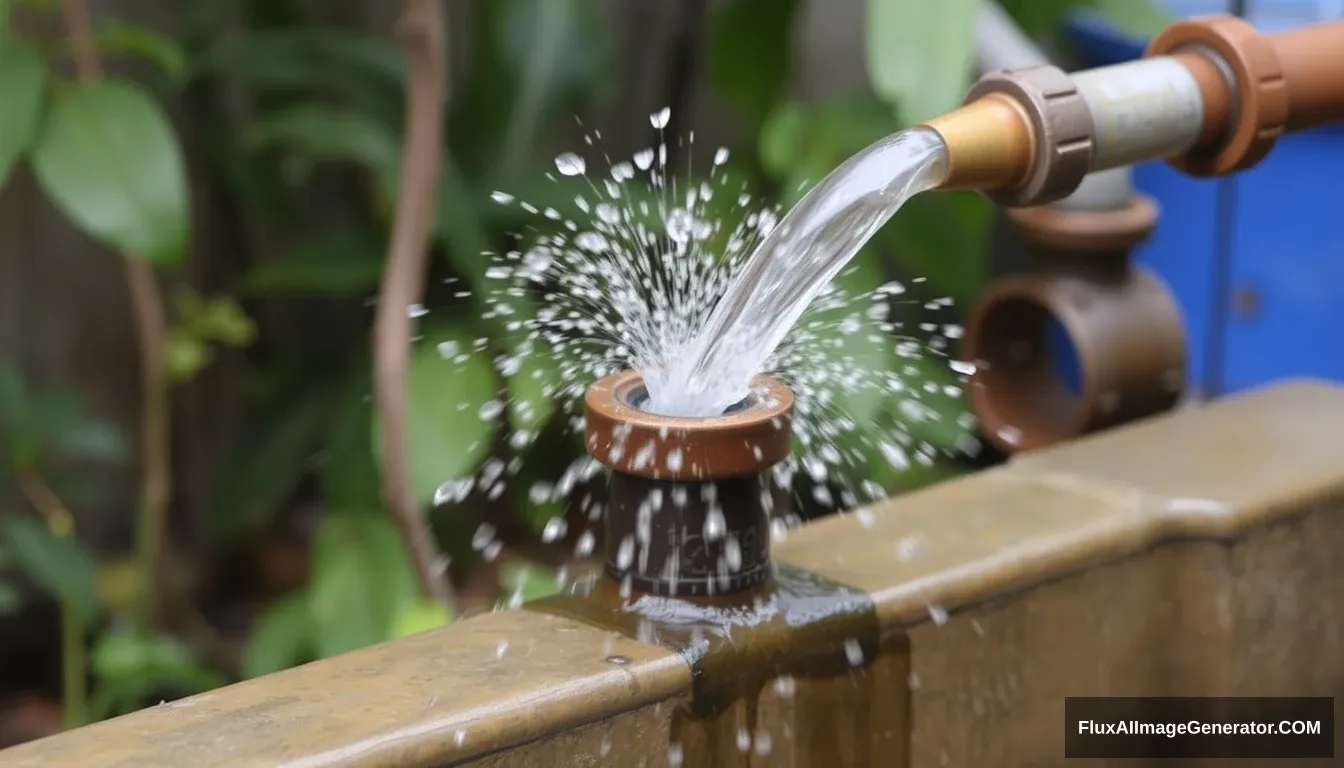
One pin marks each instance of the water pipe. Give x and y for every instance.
(689, 502)
(1083, 306)
(1211, 96)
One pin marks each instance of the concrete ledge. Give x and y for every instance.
(1211, 472)
(437, 698)
(1196, 553)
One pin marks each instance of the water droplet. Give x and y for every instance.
(853, 652)
(503, 198)
(659, 119)
(570, 164)
(491, 409)
(938, 614)
(643, 159)
(618, 660)
(721, 156)
(554, 530)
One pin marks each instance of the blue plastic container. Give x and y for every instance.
(1256, 260)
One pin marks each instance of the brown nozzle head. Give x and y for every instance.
(688, 513)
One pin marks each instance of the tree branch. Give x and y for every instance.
(422, 27)
(152, 333)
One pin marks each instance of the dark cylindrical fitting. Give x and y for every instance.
(690, 500)
(688, 539)
(1119, 323)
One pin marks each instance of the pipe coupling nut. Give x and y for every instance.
(1061, 128)
(1260, 94)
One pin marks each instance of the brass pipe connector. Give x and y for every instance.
(1024, 137)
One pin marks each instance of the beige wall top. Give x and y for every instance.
(506, 678)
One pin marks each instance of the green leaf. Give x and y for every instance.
(108, 158)
(867, 349)
(273, 456)
(119, 38)
(783, 138)
(360, 579)
(448, 436)
(350, 477)
(337, 262)
(10, 599)
(920, 54)
(528, 581)
(944, 238)
(93, 440)
(535, 62)
(281, 637)
(420, 616)
(532, 388)
(1040, 18)
(364, 73)
(749, 48)
(131, 666)
(22, 72)
(320, 132)
(1140, 18)
(58, 563)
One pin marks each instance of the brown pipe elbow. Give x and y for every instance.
(1125, 333)
(1256, 87)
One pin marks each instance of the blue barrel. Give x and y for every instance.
(1256, 260)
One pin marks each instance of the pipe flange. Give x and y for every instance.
(1087, 231)
(1058, 355)
(751, 437)
(1062, 127)
(1260, 112)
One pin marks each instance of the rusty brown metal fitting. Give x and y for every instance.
(1121, 326)
(1024, 137)
(690, 499)
(1258, 110)
(1083, 231)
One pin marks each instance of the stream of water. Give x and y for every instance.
(787, 271)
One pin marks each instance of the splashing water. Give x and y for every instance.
(631, 266)
(789, 269)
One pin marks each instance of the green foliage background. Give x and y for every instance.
(329, 102)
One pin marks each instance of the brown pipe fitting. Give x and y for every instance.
(1259, 105)
(1125, 332)
(1082, 232)
(1264, 86)
(1312, 61)
(1024, 137)
(688, 512)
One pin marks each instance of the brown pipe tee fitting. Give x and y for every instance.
(690, 500)
(1256, 87)
(1120, 323)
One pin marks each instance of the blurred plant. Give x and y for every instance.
(319, 103)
